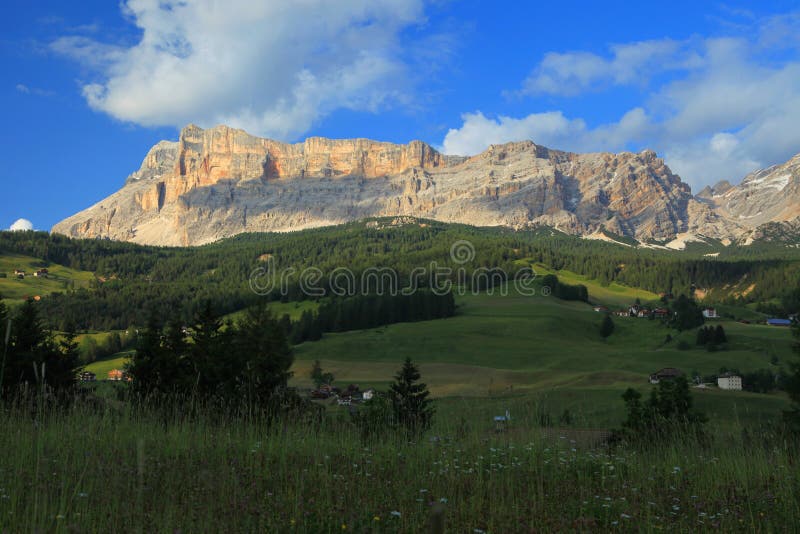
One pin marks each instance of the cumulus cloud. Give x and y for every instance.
(550, 128)
(571, 73)
(730, 106)
(21, 225)
(272, 68)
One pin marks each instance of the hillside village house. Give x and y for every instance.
(710, 313)
(115, 374)
(87, 376)
(667, 373)
(600, 309)
(19, 273)
(729, 381)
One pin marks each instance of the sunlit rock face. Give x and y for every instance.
(221, 181)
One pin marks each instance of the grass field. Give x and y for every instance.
(613, 294)
(59, 278)
(292, 309)
(513, 347)
(118, 470)
(102, 366)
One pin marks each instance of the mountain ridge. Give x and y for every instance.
(218, 182)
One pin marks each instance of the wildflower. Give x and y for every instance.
(443, 500)
(394, 513)
(344, 526)
(376, 518)
(624, 516)
(292, 522)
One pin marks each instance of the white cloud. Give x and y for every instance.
(572, 73)
(731, 105)
(272, 68)
(551, 129)
(21, 225)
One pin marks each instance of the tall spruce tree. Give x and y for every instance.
(263, 353)
(154, 368)
(410, 403)
(606, 327)
(209, 352)
(33, 358)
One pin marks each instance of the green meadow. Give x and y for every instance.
(59, 278)
(518, 347)
(511, 349)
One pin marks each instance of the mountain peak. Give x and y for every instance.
(217, 182)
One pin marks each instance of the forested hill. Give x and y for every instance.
(132, 279)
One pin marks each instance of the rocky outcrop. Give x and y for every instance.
(765, 196)
(218, 182)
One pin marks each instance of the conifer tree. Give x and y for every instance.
(33, 357)
(720, 336)
(702, 336)
(410, 403)
(209, 352)
(606, 327)
(263, 353)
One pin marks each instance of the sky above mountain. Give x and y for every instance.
(88, 87)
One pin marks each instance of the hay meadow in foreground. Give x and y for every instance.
(119, 469)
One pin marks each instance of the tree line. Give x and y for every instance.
(134, 278)
(340, 314)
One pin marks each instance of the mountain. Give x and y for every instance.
(764, 202)
(219, 182)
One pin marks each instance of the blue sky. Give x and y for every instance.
(88, 87)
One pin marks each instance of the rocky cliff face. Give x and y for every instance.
(218, 182)
(765, 196)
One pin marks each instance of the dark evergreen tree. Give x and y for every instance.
(263, 353)
(209, 352)
(687, 314)
(669, 409)
(154, 369)
(606, 327)
(719, 335)
(410, 403)
(34, 359)
(702, 336)
(318, 376)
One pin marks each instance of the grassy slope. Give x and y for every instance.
(293, 309)
(102, 366)
(59, 278)
(510, 346)
(612, 294)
